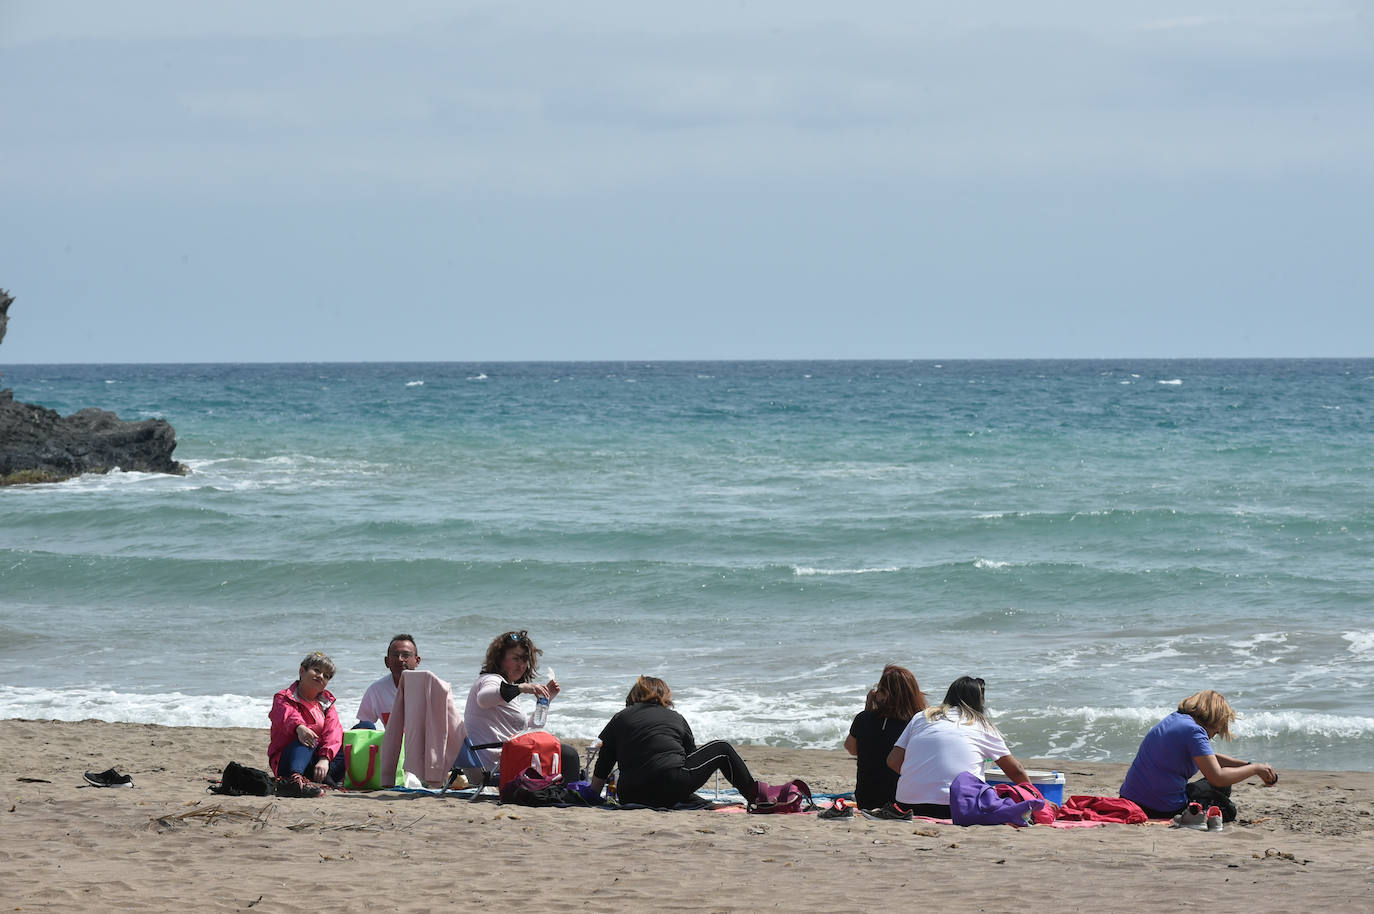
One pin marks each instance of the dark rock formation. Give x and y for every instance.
(38, 445)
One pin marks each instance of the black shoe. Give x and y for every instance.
(890, 811)
(840, 809)
(297, 786)
(109, 778)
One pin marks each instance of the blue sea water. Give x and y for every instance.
(1097, 539)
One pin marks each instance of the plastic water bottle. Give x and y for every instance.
(541, 708)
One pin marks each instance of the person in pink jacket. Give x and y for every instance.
(306, 733)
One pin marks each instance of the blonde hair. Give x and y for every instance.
(1211, 710)
(319, 660)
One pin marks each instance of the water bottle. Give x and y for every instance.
(541, 708)
(610, 784)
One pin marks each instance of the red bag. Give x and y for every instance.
(794, 796)
(535, 749)
(1102, 809)
(1018, 792)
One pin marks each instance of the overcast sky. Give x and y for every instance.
(337, 181)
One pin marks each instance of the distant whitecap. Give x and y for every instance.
(804, 572)
(415, 383)
(480, 376)
(1172, 382)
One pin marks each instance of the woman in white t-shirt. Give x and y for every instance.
(940, 742)
(497, 708)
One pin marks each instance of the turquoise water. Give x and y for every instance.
(1096, 539)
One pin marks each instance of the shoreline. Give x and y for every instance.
(167, 845)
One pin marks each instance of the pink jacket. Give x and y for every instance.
(425, 717)
(289, 711)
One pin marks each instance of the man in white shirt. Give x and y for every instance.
(401, 655)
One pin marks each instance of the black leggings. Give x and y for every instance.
(1200, 791)
(668, 788)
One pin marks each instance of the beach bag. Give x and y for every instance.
(537, 749)
(794, 796)
(362, 751)
(974, 802)
(242, 781)
(1042, 816)
(530, 788)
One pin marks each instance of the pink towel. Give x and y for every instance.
(425, 716)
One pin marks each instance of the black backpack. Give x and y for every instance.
(240, 780)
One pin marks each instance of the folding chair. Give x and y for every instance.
(469, 765)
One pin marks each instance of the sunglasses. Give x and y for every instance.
(516, 637)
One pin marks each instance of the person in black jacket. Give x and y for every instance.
(660, 764)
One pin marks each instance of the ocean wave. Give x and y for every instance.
(1172, 382)
(172, 709)
(1361, 643)
(804, 572)
(1249, 724)
(415, 383)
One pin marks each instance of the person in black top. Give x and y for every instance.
(890, 706)
(660, 764)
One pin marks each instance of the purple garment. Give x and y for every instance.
(972, 802)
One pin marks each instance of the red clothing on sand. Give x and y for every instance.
(1101, 809)
(289, 711)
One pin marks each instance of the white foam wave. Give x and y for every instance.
(415, 383)
(173, 709)
(1249, 725)
(989, 563)
(480, 376)
(1249, 647)
(804, 572)
(1172, 382)
(1152, 656)
(1280, 723)
(1361, 643)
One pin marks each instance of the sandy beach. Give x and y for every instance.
(168, 845)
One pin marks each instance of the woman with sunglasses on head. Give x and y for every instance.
(940, 742)
(497, 708)
(890, 706)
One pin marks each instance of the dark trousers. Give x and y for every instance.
(297, 757)
(1204, 794)
(668, 788)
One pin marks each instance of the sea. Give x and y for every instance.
(1096, 539)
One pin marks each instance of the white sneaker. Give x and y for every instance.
(1214, 819)
(1193, 817)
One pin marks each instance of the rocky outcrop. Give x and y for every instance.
(39, 445)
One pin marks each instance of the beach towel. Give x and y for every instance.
(424, 715)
